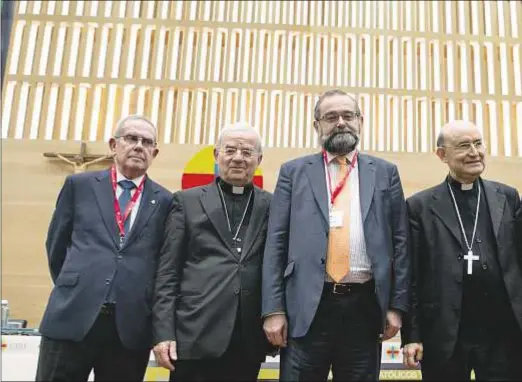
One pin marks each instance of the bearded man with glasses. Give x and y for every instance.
(467, 281)
(336, 269)
(103, 241)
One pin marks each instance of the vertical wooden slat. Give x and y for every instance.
(13, 123)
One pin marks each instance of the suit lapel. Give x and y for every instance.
(442, 206)
(257, 218)
(317, 177)
(496, 203)
(105, 199)
(366, 183)
(212, 205)
(148, 205)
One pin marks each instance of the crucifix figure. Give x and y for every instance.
(470, 257)
(80, 161)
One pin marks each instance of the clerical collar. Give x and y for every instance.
(461, 186)
(234, 190)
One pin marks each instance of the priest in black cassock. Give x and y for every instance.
(207, 305)
(467, 280)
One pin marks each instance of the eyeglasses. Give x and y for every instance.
(348, 116)
(465, 147)
(245, 153)
(133, 140)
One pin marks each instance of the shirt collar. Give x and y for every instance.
(330, 157)
(136, 181)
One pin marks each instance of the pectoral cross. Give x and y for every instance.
(470, 257)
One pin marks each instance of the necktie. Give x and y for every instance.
(338, 256)
(124, 200)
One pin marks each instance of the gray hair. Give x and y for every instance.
(239, 127)
(330, 93)
(120, 126)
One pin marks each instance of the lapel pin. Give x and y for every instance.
(152, 202)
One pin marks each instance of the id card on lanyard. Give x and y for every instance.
(336, 217)
(120, 219)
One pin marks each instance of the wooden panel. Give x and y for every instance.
(271, 20)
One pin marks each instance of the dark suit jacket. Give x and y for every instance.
(83, 253)
(437, 270)
(294, 265)
(201, 280)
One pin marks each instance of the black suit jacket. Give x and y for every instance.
(437, 268)
(84, 255)
(201, 280)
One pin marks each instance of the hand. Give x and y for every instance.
(393, 324)
(412, 354)
(276, 328)
(164, 352)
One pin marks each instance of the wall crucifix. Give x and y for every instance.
(80, 161)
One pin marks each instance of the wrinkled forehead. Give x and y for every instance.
(243, 139)
(338, 103)
(463, 133)
(140, 128)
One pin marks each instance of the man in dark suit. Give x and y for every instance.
(336, 268)
(467, 281)
(103, 242)
(207, 302)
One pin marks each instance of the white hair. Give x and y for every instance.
(120, 126)
(239, 127)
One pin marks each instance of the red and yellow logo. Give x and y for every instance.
(202, 169)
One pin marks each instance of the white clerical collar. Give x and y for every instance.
(330, 157)
(136, 181)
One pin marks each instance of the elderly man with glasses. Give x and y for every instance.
(103, 241)
(207, 301)
(467, 281)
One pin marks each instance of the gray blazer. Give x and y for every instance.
(294, 263)
(83, 253)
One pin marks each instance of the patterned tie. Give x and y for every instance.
(338, 256)
(124, 199)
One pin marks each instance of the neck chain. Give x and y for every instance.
(234, 238)
(460, 219)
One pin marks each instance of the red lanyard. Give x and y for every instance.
(120, 220)
(340, 185)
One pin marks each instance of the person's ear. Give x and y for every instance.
(441, 153)
(112, 145)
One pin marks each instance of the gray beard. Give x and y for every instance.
(341, 143)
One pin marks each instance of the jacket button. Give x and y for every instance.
(120, 257)
(460, 257)
(236, 291)
(484, 266)
(107, 281)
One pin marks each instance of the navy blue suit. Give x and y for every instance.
(85, 260)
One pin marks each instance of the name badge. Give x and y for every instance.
(336, 219)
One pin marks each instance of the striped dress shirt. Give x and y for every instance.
(360, 265)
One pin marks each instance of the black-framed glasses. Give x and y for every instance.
(347, 116)
(133, 140)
